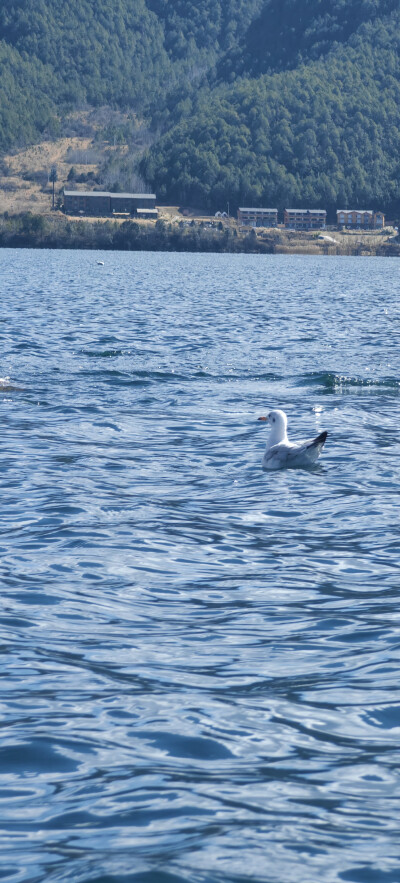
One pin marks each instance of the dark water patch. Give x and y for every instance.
(157, 876)
(39, 599)
(368, 874)
(186, 746)
(388, 717)
(37, 755)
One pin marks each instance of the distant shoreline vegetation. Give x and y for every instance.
(28, 230)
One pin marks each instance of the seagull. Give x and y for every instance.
(280, 453)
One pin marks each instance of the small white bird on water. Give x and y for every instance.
(280, 453)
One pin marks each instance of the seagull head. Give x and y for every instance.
(278, 423)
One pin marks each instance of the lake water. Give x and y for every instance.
(200, 660)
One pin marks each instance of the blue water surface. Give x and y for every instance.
(200, 660)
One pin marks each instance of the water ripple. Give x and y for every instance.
(200, 659)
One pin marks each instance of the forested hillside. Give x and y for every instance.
(289, 33)
(57, 55)
(325, 133)
(261, 102)
(61, 55)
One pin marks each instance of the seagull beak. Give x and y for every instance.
(264, 419)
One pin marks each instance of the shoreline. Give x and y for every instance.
(58, 231)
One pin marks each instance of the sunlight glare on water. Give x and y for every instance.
(200, 659)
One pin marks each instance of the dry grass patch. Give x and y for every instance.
(26, 186)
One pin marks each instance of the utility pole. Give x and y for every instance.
(53, 178)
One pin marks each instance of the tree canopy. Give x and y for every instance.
(322, 131)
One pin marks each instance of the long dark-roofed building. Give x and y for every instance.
(102, 203)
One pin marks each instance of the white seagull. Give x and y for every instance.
(280, 453)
